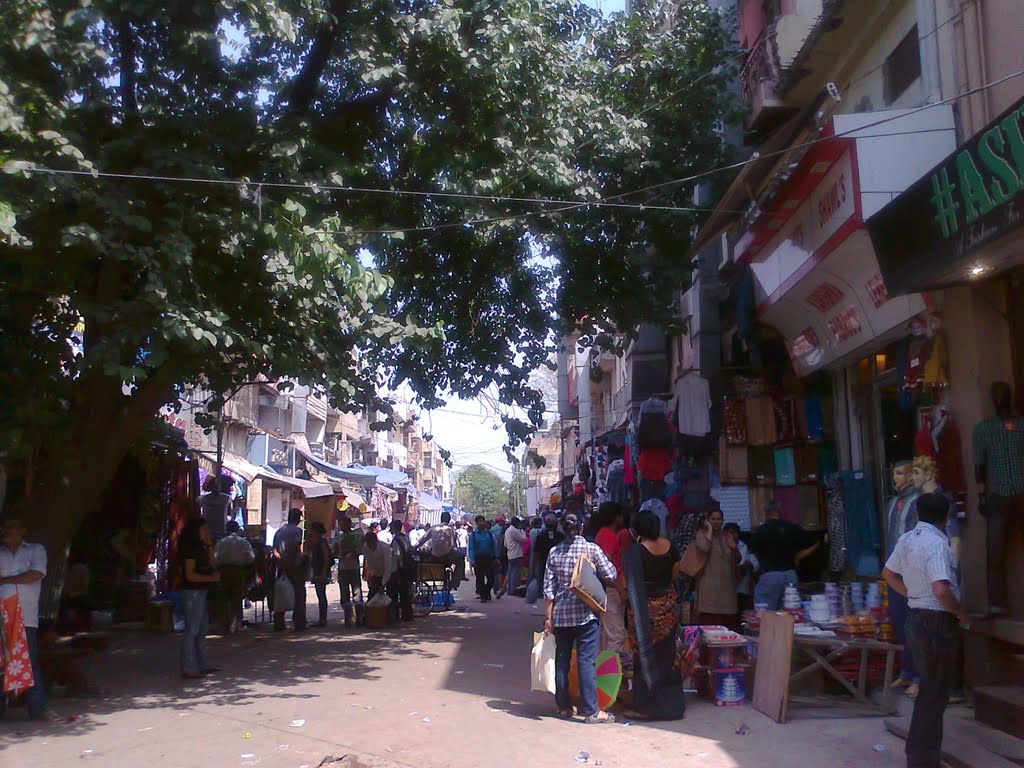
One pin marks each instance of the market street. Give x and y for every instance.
(447, 690)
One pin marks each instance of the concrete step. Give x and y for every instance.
(1001, 707)
(961, 745)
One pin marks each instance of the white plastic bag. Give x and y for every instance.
(542, 663)
(284, 596)
(380, 600)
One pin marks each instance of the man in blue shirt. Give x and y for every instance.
(482, 551)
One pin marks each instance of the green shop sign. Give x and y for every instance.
(930, 235)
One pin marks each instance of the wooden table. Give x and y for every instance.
(823, 651)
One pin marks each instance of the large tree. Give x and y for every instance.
(481, 491)
(223, 191)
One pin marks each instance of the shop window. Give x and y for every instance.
(903, 67)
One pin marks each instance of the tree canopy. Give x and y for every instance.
(330, 190)
(480, 491)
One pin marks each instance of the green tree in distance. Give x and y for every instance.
(480, 491)
(183, 283)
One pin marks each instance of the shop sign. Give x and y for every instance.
(928, 235)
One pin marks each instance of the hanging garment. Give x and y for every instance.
(629, 471)
(805, 457)
(734, 421)
(654, 464)
(937, 364)
(863, 540)
(785, 419)
(615, 484)
(836, 530)
(653, 430)
(732, 464)
(950, 459)
(694, 405)
(828, 459)
(15, 663)
(923, 444)
(787, 499)
(761, 465)
(785, 466)
(760, 421)
(808, 502)
(916, 358)
(815, 419)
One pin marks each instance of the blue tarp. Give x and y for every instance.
(365, 477)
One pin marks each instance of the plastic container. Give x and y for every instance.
(729, 687)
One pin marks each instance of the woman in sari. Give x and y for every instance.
(651, 566)
(717, 600)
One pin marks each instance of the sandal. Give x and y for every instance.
(599, 720)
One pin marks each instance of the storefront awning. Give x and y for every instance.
(427, 501)
(386, 476)
(817, 279)
(961, 220)
(250, 472)
(359, 475)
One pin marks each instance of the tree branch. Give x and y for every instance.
(304, 86)
(126, 45)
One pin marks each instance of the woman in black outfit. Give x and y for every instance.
(651, 566)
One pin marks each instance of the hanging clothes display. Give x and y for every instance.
(785, 419)
(654, 464)
(759, 498)
(837, 527)
(694, 405)
(760, 421)
(761, 465)
(787, 499)
(815, 419)
(732, 464)
(785, 466)
(805, 459)
(863, 537)
(734, 418)
(808, 502)
(653, 430)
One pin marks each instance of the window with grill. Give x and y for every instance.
(903, 67)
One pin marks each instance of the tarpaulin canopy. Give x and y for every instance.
(386, 476)
(366, 477)
(249, 472)
(429, 502)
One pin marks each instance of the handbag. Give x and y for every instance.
(542, 663)
(284, 596)
(694, 561)
(587, 586)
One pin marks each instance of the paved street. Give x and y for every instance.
(449, 690)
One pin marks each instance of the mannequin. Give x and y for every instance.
(998, 458)
(901, 510)
(925, 478)
(901, 516)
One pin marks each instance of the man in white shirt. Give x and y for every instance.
(22, 570)
(515, 538)
(922, 568)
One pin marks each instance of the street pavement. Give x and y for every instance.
(447, 690)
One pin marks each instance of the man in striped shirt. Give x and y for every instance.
(922, 568)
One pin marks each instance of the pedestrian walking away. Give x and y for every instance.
(318, 555)
(572, 622)
(292, 566)
(234, 559)
(923, 569)
(515, 540)
(403, 569)
(347, 546)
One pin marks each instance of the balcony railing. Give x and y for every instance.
(761, 70)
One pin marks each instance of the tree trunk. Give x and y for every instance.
(71, 480)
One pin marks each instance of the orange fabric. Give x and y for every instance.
(15, 661)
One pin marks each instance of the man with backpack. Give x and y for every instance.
(482, 550)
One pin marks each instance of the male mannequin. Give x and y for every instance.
(926, 480)
(901, 516)
(999, 470)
